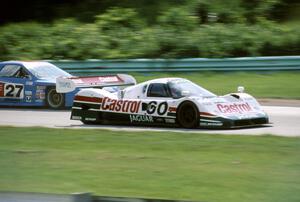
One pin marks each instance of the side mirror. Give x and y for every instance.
(240, 89)
(121, 94)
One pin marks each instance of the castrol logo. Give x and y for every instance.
(120, 105)
(234, 108)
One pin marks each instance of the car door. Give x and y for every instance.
(157, 102)
(15, 85)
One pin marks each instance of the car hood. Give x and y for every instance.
(46, 81)
(234, 106)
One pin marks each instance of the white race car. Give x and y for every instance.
(167, 101)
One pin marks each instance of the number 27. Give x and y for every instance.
(11, 88)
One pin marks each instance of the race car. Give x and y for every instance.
(167, 101)
(38, 83)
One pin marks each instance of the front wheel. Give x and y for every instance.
(188, 115)
(54, 99)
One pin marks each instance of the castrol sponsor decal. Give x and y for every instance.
(113, 105)
(120, 105)
(234, 108)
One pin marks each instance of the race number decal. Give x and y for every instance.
(11, 90)
(160, 108)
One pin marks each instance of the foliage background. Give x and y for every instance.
(148, 29)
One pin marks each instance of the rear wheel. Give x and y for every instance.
(188, 115)
(54, 99)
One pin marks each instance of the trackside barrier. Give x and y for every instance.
(78, 197)
(284, 63)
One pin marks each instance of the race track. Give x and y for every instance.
(285, 122)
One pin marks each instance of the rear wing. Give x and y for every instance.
(69, 84)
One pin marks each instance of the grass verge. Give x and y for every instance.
(150, 164)
(260, 85)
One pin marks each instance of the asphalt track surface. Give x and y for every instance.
(285, 121)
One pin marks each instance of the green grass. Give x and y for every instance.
(150, 164)
(260, 85)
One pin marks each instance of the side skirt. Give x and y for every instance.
(103, 117)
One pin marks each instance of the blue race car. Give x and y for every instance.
(39, 83)
(32, 84)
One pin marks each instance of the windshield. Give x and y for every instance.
(182, 87)
(48, 71)
(9, 70)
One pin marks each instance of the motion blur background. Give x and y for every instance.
(109, 29)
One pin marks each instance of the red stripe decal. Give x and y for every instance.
(1, 89)
(172, 109)
(206, 114)
(88, 99)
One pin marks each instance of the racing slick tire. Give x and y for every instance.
(54, 99)
(188, 115)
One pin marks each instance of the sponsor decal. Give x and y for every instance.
(234, 108)
(64, 84)
(40, 87)
(108, 79)
(1, 89)
(90, 119)
(28, 98)
(11, 90)
(76, 117)
(108, 104)
(210, 124)
(40, 94)
(120, 105)
(140, 118)
(27, 92)
(159, 120)
(170, 120)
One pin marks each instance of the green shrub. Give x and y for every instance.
(179, 32)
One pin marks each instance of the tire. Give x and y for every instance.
(188, 115)
(55, 100)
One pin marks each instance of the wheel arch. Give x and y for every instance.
(188, 102)
(191, 103)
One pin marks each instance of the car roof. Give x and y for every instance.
(163, 80)
(160, 80)
(27, 64)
